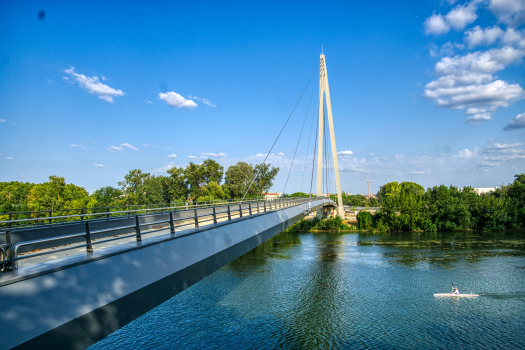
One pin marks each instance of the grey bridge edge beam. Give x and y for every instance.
(76, 307)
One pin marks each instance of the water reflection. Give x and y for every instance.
(348, 291)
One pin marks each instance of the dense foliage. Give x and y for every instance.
(330, 224)
(406, 206)
(195, 182)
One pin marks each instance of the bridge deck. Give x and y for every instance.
(75, 301)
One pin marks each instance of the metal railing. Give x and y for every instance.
(353, 208)
(57, 216)
(10, 252)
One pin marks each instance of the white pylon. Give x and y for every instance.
(325, 90)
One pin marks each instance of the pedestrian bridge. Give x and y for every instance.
(73, 289)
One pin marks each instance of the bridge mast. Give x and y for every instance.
(324, 90)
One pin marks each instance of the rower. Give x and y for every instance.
(456, 291)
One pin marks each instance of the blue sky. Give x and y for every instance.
(428, 91)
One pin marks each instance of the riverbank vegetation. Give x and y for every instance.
(195, 182)
(331, 224)
(407, 206)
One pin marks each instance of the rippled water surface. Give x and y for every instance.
(349, 291)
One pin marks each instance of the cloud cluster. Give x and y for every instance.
(94, 86)
(98, 165)
(458, 18)
(173, 99)
(468, 81)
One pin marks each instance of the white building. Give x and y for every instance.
(271, 196)
(482, 190)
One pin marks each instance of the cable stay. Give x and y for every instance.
(284, 126)
(299, 141)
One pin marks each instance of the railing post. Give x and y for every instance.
(107, 212)
(172, 227)
(240, 210)
(250, 208)
(265, 206)
(82, 214)
(214, 216)
(257, 207)
(128, 212)
(196, 218)
(137, 228)
(89, 247)
(229, 213)
(10, 265)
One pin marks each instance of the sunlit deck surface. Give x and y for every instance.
(60, 259)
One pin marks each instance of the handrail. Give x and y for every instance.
(122, 206)
(12, 262)
(107, 214)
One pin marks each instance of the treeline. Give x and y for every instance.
(407, 206)
(195, 182)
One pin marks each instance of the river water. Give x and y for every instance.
(349, 291)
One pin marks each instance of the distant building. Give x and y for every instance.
(271, 196)
(347, 193)
(482, 190)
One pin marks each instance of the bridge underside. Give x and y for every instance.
(72, 304)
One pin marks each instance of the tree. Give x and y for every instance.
(264, 177)
(108, 196)
(238, 178)
(54, 195)
(391, 189)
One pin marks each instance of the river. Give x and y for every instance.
(349, 291)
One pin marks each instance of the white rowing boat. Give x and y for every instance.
(456, 295)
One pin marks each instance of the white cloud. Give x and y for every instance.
(145, 145)
(503, 151)
(372, 154)
(149, 102)
(510, 12)
(436, 24)
(79, 146)
(400, 156)
(458, 18)
(213, 154)
(346, 153)
(513, 36)
(173, 155)
(487, 62)
(2, 120)
(517, 123)
(127, 145)
(280, 154)
(94, 86)
(98, 165)
(115, 149)
(173, 99)
(204, 100)
(478, 118)
(466, 153)
(495, 94)
(488, 36)
(9, 158)
(23, 176)
(192, 157)
(468, 82)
